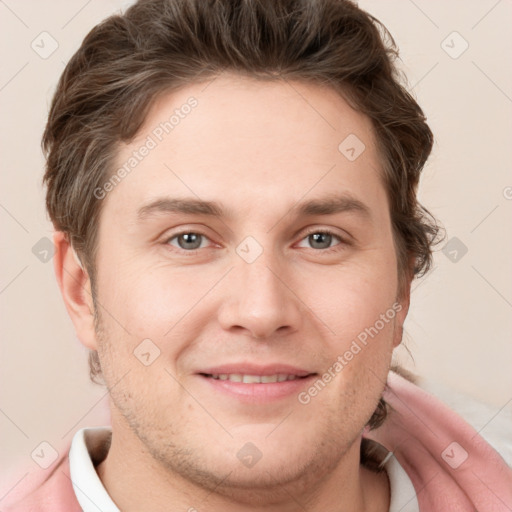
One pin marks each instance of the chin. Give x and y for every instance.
(266, 483)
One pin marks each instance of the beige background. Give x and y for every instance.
(460, 324)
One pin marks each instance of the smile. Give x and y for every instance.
(253, 379)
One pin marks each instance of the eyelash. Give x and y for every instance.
(335, 248)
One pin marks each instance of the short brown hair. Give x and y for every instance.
(127, 61)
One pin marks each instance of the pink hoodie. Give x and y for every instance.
(450, 465)
(452, 468)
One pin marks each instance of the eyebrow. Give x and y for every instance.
(329, 205)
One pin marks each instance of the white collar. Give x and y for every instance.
(93, 497)
(89, 490)
(403, 495)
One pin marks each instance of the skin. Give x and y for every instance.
(258, 148)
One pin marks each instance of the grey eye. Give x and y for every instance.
(188, 241)
(323, 239)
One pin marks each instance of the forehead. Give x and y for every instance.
(235, 138)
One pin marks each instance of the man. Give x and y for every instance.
(233, 189)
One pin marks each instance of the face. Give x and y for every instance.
(266, 286)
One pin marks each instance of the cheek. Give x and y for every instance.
(359, 308)
(358, 354)
(350, 299)
(153, 310)
(151, 300)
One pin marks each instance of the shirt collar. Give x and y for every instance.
(403, 494)
(89, 444)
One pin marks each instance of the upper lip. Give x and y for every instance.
(254, 369)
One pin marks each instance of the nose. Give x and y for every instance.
(260, 300)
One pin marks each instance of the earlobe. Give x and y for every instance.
(399, 323)
(75, 287)
(401, 307)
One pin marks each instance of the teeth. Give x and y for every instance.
(254, 379)
(251, 379)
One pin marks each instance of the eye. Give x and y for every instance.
(321, 239)
(188, 241)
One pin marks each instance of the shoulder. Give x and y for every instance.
(53, 492)
(450, 463)
(491, 422)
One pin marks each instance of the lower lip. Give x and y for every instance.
(259, 392)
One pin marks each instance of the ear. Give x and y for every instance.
(75, 287)
(401, 307)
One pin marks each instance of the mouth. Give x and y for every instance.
(255, 379)
(253, 384)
